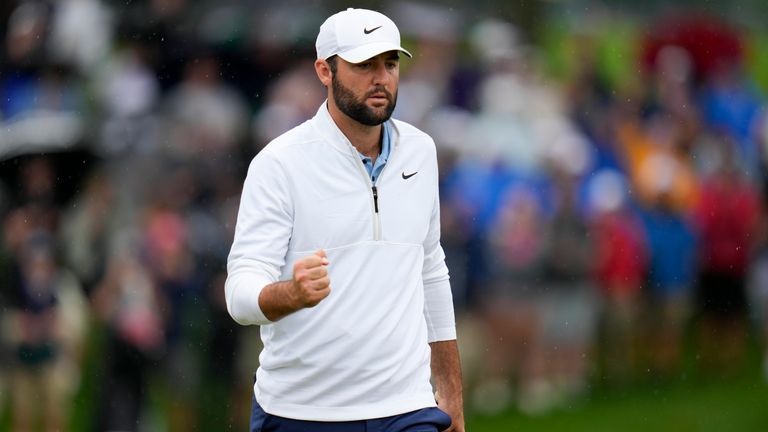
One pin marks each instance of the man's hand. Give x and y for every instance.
(309, 286)
(446, 372)
(311, 283)
(454, 409)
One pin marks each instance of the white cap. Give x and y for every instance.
(357, 35)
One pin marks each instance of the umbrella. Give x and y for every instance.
(709, 40)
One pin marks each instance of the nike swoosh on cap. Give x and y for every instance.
(366, 31)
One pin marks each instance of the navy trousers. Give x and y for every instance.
(423, 420)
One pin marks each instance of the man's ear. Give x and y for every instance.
(323, 72)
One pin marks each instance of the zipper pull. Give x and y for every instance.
(375, 198)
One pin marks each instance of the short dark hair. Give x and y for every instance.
(332, 65)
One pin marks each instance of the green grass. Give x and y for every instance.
(717, 405)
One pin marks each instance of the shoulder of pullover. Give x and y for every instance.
(299, 135)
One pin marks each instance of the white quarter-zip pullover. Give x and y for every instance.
(363, 351)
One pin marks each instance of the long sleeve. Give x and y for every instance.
(264, 225)
(438, 299)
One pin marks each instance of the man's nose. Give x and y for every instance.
(380, 74)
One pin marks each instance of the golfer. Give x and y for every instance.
(337, 256)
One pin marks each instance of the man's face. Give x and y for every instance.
(367, 91)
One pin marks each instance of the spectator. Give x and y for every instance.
(724, 257)
(47, 323)
(620, 268)
(516, 359)
(129, 304)
(569, 306)
(87, 229)
(671, 280)
(205, 117)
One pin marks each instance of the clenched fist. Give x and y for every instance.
(309, 286)
(311, 283)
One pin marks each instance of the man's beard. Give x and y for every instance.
(358, 110)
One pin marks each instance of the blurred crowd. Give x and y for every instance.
(594, 229)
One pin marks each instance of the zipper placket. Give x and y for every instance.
(374, 190)
(374, 197)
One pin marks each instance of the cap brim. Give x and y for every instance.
(363, 53)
